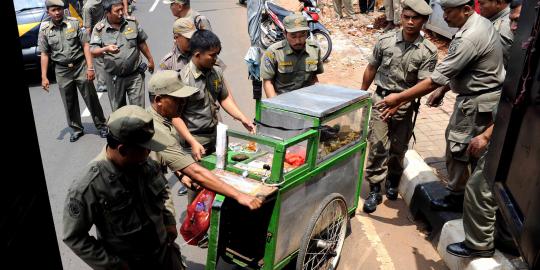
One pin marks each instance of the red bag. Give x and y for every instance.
(197, 219)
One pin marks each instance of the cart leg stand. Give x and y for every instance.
(213, 255)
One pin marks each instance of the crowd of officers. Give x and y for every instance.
(123, 192)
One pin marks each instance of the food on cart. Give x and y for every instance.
(295, 156)
(294, 159)
(342, 139)
(256, 167)
(239, 157)
(249, 148)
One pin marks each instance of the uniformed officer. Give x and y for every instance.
(122, 193)
(93, 12)
(199, 117)
(180, 55)
(484, 229)
(474, 70)
(400, 59)
(167, 94)
(348, 8)
(182, 9)
(120, 42)
(498, 11)
(63, 42)
(292, 63)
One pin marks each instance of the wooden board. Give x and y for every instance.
(245, 184)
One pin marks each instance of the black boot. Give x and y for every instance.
(450, 202)
(392, 185)
(374, 198)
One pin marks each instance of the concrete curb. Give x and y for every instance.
(418, 172)
(452, 232)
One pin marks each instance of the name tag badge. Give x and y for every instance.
(311, 62)
(285, 63)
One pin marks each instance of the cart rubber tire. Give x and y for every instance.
(324, 35)
(337, 202)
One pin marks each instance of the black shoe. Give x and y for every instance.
(103, 132)
(461, 250)
(75, 136)
(450, 202)
(182, 191)
(391, 185)
(374, 198)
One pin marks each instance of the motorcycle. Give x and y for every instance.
(272, 26)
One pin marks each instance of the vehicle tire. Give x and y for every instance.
(242, 2)
(323, 240)
(325, 43)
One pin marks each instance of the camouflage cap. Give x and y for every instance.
(54, 3)
(132, 124)
(418, 6)
(452, 3)
(184, 27)
(168, 83)
(295, 23)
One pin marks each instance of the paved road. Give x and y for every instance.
(62, 160)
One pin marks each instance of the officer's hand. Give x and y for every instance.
(45, 84)
(388, 113)
(197, 151)
(111, 48)
(249, 126)
(172, 233)
(90, 74)
(436, 98)
(249, 201)
(151, 67)
(477, 145)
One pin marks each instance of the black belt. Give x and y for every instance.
(384, 92)
(481, 92)
(72, 64)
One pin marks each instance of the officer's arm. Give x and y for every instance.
(146, 52)
(44, 65)
(268, 72)
(84, 38)
(210, 181)
(229, 105)
(369, 76)
(96, 45)
(78, 219)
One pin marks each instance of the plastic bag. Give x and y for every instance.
(197, 219)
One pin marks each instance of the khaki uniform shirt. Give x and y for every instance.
(173, 157)
(501, 22)
(127, 39)
(400, 64)
(289, 70)
(63, 42)
(174, 60)
(93, 12)
(474, 61)
(200, 113)
(128, 210)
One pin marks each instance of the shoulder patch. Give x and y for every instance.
(454, 45)
(74, 207)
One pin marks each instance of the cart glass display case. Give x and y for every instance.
(306, 163)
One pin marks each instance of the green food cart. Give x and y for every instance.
(306, 163)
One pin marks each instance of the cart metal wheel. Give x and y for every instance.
(323, 240)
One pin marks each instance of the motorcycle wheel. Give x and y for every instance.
(266, 41)
(325, 43)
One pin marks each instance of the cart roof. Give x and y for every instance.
(317, 100)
